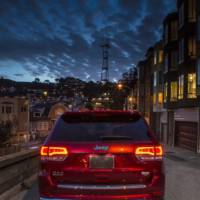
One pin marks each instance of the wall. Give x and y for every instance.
(17, 167)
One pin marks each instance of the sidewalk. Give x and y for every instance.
(182, 155)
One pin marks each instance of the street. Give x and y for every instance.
(182, 182)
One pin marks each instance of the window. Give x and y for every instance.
(181, 50)
(180, 86)
(155, 79)
(8, 109)
(155, 58)
(23, 109)
(160, 97)
(86, 128)
(192, 85)
(154, 98)
(181, 15)
(165, 92)
(160, 77)
(160, 56)
(174, 60)
(192, 48)
(199, 28)
(37, 114)
(166, 63)
(198, 71)
(166, 34)
(192, 11)
(174, 30)
(174, 91)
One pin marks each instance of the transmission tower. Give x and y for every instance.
(105, 62)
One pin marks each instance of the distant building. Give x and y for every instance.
(43, 117)
(16, 110)
(144, 85)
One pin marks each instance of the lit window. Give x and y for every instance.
(181, 50)
(160, 56)
(154, 98)
(180, 86)
(155, 79)
(174, 30)
(181, 15)
(192, 85)
(160, 97)
(165, 91)
(192, 48)
(192, 10)
(155, 57)
(174, 91)
(198, 72)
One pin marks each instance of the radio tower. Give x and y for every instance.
(105, 63)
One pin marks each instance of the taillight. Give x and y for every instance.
(52, 153)
(148, 153)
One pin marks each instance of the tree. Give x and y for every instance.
(37, 80)
(47, 81)
(5, 132)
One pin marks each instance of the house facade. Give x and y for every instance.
(16, 110)
(43, 117)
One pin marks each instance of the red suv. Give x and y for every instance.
(103, 155)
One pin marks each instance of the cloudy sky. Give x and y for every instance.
(59, 38)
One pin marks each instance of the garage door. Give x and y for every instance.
(186, 135)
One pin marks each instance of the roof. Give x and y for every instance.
(102, 115)
(43, 109)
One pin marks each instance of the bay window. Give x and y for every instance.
(192, 85)
(173, 89)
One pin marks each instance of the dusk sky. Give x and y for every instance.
(59, 38)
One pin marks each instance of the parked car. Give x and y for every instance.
(103, 155)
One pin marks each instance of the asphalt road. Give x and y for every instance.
(182, 182)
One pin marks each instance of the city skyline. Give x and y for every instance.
(62, 38)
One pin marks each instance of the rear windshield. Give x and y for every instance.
(103, 130)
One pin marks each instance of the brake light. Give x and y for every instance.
(120, 149)
(53, 153)
(149, 153)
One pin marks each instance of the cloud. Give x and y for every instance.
(63, 37)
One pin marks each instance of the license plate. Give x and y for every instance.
(101, 162)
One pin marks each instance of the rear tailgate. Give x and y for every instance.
(86, 165)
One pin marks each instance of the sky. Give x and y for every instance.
(50, 39)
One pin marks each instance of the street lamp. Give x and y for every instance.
(120, 86)
(130, 100)
(45, 93)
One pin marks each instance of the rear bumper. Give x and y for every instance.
(105, 192)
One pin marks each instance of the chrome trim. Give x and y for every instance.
(101, 187)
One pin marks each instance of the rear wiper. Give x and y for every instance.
(116, 137)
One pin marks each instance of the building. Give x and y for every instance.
(43, 116)
(157, 88)
(182, 99)
(16, 110)
(144, 98)
(177, 79)
(170, 85)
